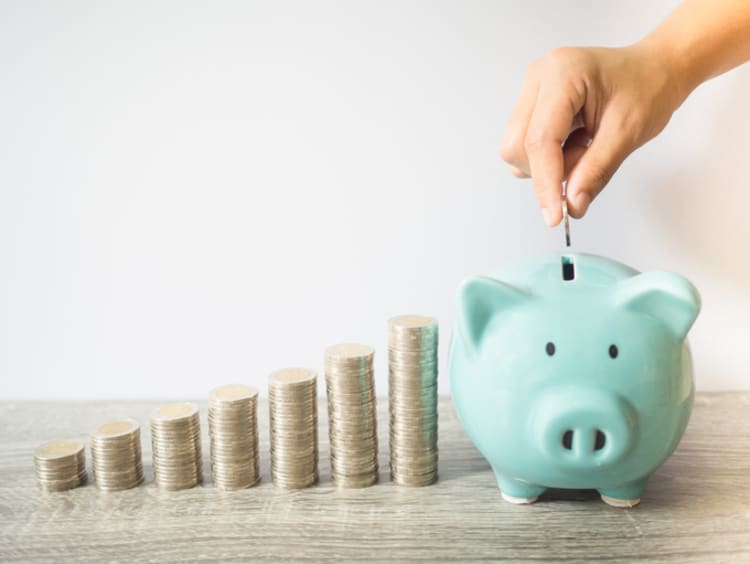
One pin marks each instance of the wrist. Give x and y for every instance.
(680, 78)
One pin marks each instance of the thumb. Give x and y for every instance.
(595, 168)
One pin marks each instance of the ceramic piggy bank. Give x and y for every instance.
(574, 372)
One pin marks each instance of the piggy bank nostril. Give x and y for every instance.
(567, 440)
(601, 439)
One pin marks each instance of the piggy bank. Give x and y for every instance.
(573, 371)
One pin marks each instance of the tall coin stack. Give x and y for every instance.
(292, 395)
(412, 393)
(60, 465)
(176, 446)
(352, 420)
(116, 455)
(233, 431)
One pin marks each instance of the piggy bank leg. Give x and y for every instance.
(516, 491)
(627, 495)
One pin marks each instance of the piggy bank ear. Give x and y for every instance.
(479, 300)
(667, 297)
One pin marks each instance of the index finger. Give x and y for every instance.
(555, 111)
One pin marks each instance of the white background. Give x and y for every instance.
(193, 194)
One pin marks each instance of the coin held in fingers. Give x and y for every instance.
(566, 219)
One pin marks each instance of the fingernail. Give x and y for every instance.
(547, 216)
(581, 201)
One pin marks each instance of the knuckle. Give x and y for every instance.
(535, 139)
(563, 55)
(569, 60)
(509, 150)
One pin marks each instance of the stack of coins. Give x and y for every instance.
(233, 430)
(292, 395)
(412, 393)
(352, 421)
(176, 446)
(60, 465)
(116, 455)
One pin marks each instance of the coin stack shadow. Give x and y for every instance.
(352, 418)
(60, 465)
(233, 432)
(176, 446)
(116, 455)
(292, 405)
(412, 394)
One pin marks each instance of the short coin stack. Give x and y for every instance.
(292, 395)
(233, 430)
(60, 465)
(412, 392)
(116, 455)
(352, 420)
(176, 445)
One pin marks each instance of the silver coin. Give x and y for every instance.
(412, 399)
(60, 465)
(116, 455)
(176, 446)
(566, 220)
(352, 416)
(294, 428)
(233, 436)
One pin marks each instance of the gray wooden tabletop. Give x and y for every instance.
(696, 508)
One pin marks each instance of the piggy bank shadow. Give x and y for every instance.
(555, 494)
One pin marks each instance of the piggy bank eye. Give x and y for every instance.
(613, 352)
(550, 348)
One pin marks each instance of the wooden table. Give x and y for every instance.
(696, 508)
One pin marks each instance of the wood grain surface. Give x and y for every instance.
(696, 508)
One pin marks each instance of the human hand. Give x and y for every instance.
(582, 111)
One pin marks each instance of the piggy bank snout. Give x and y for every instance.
(584, 428)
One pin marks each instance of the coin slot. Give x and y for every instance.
(568, 268)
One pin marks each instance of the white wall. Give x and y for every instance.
(194, 193)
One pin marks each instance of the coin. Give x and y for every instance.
(566, 220)
(176, 446)
(292, 394)
(60, 465)
(233, 433)
(352, 419)
(412, 395)
(116, 455)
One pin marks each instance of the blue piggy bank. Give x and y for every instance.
(573, 371)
